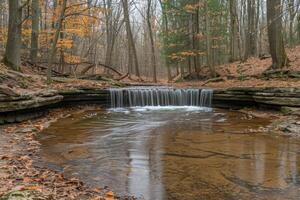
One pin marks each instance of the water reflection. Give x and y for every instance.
(175, 154)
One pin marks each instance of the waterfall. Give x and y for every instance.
(159, 96)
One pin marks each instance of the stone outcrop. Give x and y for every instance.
(262, 97)
(16, 107)
(85, 95)
(20, 107)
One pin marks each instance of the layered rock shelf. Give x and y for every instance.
(275, 98)
(17, 108)
(85, 95)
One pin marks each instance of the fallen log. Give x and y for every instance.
(123, 77)
(281, 72)
(218, 79)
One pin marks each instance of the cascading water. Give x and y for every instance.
(150, 96)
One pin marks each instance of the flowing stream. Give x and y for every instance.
(174, 152)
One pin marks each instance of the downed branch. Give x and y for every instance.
(44, 68)
(281, 72)
(123, 77)
(91, 65)
(218, 79)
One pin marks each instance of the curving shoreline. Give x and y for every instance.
(21, 175)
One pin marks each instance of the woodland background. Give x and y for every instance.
(145, 39)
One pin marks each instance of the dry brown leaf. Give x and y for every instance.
(39, 127)
(27, 180)
(110, 194)
(35, 188)
(97, 198)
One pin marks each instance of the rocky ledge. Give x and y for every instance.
(85, 95)
(19, 107)
(275, 98)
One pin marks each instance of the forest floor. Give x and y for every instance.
(250, 74)
(237, 74)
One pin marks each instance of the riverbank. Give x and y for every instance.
(20, 175)
(27, 95)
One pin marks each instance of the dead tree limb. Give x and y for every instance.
(86, 69)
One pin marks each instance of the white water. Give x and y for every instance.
(150, 98)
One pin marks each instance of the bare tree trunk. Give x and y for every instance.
(55, 40)
(35, 30)
(208, 42)
(234, 30)
(109, 32)
(261, 24)
(132, 52)
(166, 30)
(12, 56)
(251, 32)
(291, 21)
(298, 28)
(153, 58)
(196, 46)
(277, 50)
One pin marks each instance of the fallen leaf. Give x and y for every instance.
(39, 127)
(97, 198)
(27, 180)
(36, 188)
(110, 194)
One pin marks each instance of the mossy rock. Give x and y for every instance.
(25, 195)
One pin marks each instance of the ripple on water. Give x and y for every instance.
(175, 153)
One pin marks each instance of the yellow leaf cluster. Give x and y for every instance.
(65, 44)
(192, 8)
(72, 59)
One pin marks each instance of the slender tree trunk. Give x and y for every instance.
(291, 21)
(153, 58)
(262, 23)
(234, 30)
(12, 56)
(35, 30)
(298, 28)
(109, 33)
(196, 45)
(166, 32)
(277, 50)
(251, 32)
(208, 42)
(55, 40)
(133, 53)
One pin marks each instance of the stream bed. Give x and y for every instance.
(181, 152)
